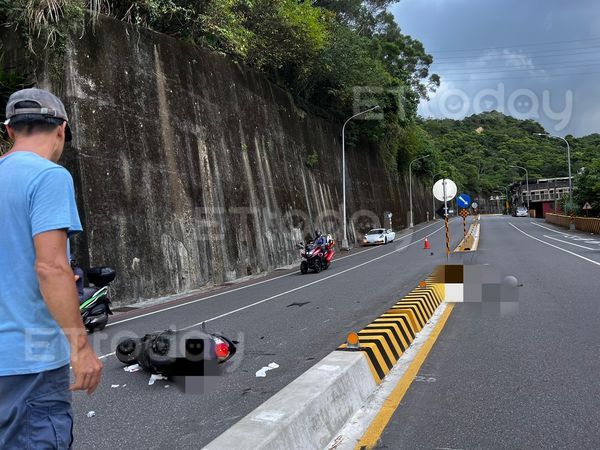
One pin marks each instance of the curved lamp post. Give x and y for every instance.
(410, 187)
(345, 237)
(432, 196)
(568, 159)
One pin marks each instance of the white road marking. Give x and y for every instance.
(555, 246)
(549, 229)
(320, 280)
(244, 287)
(570, 243)
(570, 236)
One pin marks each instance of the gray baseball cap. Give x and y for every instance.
(49, 106)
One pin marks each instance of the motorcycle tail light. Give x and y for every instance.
(221, 349)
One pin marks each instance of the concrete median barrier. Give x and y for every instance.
(308, 412)
(470, 242)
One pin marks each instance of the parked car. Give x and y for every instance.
(379, 236)
(521, 212)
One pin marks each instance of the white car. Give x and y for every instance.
(521, 212)
(378, 236)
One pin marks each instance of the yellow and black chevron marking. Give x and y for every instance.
(388, 337)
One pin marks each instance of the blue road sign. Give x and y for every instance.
(463, 201)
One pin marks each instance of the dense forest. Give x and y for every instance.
(332, 56)
(477, 153)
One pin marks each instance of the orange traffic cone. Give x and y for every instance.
(426, 245)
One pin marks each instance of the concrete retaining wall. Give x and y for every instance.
(192, 169)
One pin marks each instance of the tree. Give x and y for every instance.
(482, 158)
(587, 187)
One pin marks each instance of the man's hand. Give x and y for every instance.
(87, 368)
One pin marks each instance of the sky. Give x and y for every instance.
(537, 59)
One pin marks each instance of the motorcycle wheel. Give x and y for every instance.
(317, 265)
(304, 267)
(126, 351)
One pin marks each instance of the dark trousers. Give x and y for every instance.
(35, 411)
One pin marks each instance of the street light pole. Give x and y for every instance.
(569, 162)
(526, 182)
(410, 187)
(345, 237)
(432, 196)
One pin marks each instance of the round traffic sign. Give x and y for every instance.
(463, 200)
(446, 185)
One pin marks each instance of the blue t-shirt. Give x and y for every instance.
(36, 195)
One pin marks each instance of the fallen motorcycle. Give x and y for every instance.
(177, 353)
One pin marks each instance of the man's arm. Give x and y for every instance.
(59, 292)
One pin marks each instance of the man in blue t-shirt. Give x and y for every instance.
(41, 330)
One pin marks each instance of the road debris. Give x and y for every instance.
(114, 386)
(91, 414)
(155, 377)
(263, 372)
(132, 368)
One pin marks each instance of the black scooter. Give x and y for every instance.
(177, 353)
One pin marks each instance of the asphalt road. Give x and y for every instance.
(526, 379)
(291, 319)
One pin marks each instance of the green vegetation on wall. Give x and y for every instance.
(10, 81)
(333, 56)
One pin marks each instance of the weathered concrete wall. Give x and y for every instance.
(191, 168)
